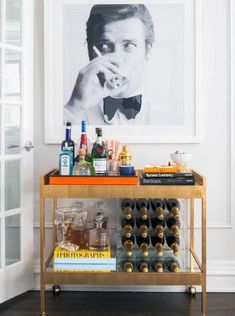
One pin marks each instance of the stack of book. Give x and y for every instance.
(83, 260)
(166, 175)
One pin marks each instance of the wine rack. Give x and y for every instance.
(192, 269)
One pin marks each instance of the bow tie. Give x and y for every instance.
(130, 107)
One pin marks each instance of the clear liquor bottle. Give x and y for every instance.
(81, 167)
(98, 236)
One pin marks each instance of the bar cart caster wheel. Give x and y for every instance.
(56, 290)
(191, 290)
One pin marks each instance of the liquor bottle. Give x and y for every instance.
(66, 161)
(83, 139)
(173, 224)
(172, 265)
(158, 206)
(128, 265)
(158, 244)
(81, 167)
(98, 154)
(68, 142)
(127, 206)
(98, 236)
(143, 244)
(128, 245)
(173, 242)
(173, 206)
(158, 265)
(143, 265)
(158, 226)
(142, 206)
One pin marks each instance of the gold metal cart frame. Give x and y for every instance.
(54, 192)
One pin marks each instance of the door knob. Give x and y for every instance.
(28, 146)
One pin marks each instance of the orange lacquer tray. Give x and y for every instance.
(55, 178)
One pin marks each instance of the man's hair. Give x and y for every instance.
(103, 14)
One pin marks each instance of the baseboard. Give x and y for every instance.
(220, 278)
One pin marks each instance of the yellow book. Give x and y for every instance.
(82, 253)
(161, 169)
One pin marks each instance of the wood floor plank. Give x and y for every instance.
(119, 304)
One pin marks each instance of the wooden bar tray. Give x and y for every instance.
(55, 178)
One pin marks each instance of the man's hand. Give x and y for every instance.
(89, 89)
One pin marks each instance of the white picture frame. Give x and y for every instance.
(188, 129)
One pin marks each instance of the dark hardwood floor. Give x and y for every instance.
(119, 303)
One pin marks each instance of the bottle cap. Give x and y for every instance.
(68, 124)
(98, 131)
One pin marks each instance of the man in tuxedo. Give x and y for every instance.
(110, 89)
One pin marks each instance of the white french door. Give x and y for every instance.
(16, 163)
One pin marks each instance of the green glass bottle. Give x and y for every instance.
(99, 154)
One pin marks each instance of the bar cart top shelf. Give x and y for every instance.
(198, 190)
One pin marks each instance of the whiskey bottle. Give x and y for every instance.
(172, 265)
(127, 206)
(158, 206)
(98, 154)
(158, 244)
(158, 265)
(68, 142)
(143, 244)
(173, 242)
(173, 224)
(173, 206)
(158, 226)
(98, 236)
(142, 206)
(128, 245)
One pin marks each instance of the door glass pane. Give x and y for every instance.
(0, 20)
(12, 184)
(13, 74)
(12, 239)
(13, 22)
(12, 129)
(0, 70)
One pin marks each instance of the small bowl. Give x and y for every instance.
(181, 159)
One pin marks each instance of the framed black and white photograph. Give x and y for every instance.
(123, 67)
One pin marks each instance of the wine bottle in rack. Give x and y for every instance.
(173, 206)
(143, 230)
(142, 206)
(158, 244)
(143, 244)
(158, 206)
(173, 242)
(173, 224)
(172, 265)
(143, 265)
(158, 225)
(127, 230)
(128, 265)
(128, 244)
(158, 265)
(127, 206)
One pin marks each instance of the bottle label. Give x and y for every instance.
(100, 165)
(65, 165)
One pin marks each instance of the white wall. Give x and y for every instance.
(213, 157)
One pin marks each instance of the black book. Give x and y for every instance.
(167, 175)
(167, 181)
